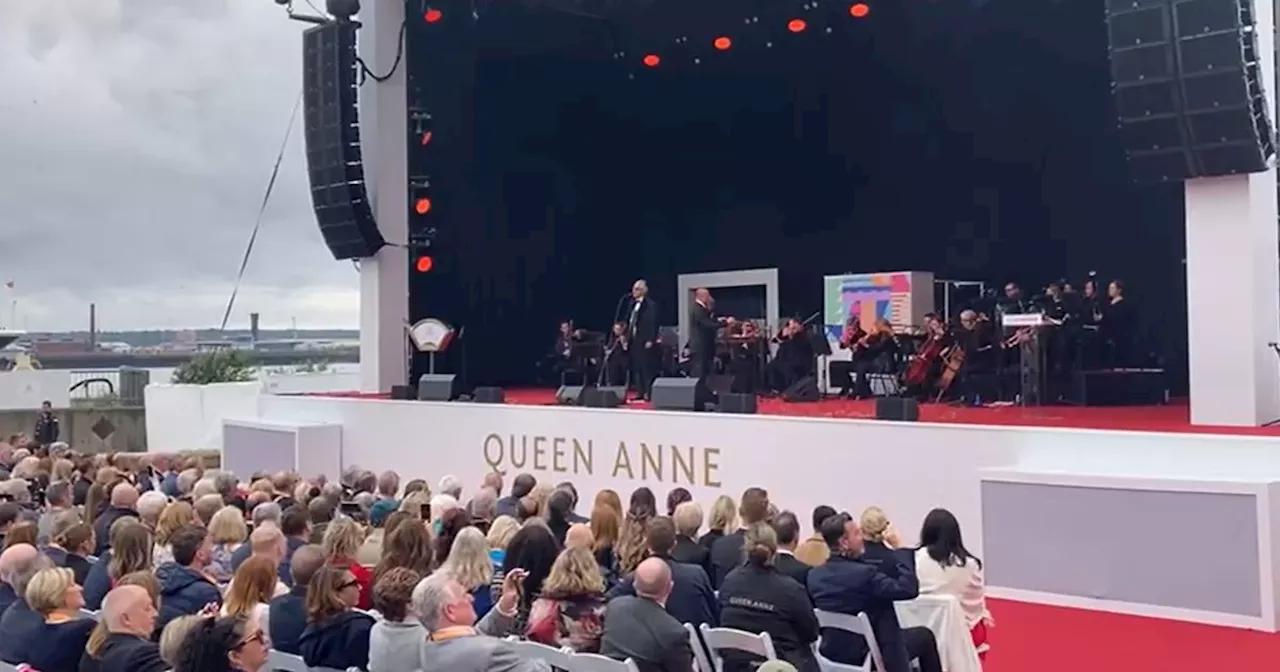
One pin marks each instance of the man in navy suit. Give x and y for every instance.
(847, 584)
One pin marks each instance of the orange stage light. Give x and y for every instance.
(433, 15)
(859, 10)
(722, 43)
(651, 60)
(422, 206)
(424, 264)
(797, 25)
(426, 138)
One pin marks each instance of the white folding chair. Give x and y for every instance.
(89, 613)
(561, 658)
(6, 667)
(279, 660)
(738, 640)
(701, 662)
(858, 625)
(594, 662)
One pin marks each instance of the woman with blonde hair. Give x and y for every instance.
(632, 548)
(408, 546)
(56, 643)
(501, 530)
(880, 535)
(251, 590)
(570, 610)
(228, 532)
(722, 520)
(470, 566)
(174, 635)
(342, 540)
(605, 524)
(174, 516)
(131, 551)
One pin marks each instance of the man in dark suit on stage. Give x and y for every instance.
(703, 326)
(642, 330)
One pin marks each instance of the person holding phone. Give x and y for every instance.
(455, 641)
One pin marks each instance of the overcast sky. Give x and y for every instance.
(136, 140)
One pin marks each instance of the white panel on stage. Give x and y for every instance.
(251, 446)
(687, 282)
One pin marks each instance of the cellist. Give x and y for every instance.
(925, 366)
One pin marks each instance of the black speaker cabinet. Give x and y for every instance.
(438, 387)
(403, 392)
(1187, 88)
(899, 409)
(680, 394)
(490, 395)
(736, 403)
(569, 395)
(603, 397)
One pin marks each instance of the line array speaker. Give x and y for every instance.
(332, 129)
(1187, 87)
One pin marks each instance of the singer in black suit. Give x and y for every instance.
(642, 327)
(703, 326)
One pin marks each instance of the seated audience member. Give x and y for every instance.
(813, 551)
(71, 544)
(481, 508)
(632, 549)
(174, 517)
(722, 520)
(371, 550)
(456, 642)
(10, 512)
(499, 537)
(882, 544)
(320, 512)
(450, 524)
(756, 597)
(174, 636)
(270, 543)
(520, 488)
(185, 587)
(580, 535)
(846, 585)
(337, 634)
(150, 505)
(688, 519)
(129, 616)
(287, 614)
(691, 600)
(469, 565)
(252, 588)
(263, 516)
(227, 532)
(208, 506)
(533, 550)
(124, 497)
(787, 528)
(726, 552)
(234, 643)
(605, 528)
(395, 642)
(20, 623)
(56, 645)
(573, 516)
(25, 532)
(675, 498)
(570, 611)
(640, 627)
(341, 543)
(57, 499)
(14, 562)
(295, 525)
(945, 567)
(130, 551)
(559, 508)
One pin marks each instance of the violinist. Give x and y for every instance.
(841, 370)
(617, 356)
(874, 353)
(560, 361)
(794, 358)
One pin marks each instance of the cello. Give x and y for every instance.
(917, 373)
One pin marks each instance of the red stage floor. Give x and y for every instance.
(1174, 417)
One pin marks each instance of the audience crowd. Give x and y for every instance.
(150, 563)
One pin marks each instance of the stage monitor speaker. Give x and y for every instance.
(490, 395)
(603, 397)
(438, 387)
(736, 403)
(569, 395)
(331, 127)
(803, 390)
(1187, 87)
(403, 392)
(900, 409)
(679, 394)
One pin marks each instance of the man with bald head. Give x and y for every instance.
(20, 624)
(124, 503)
(287, 616)
(703, 326)
(15, 561)
(639, 627)
(130, 617)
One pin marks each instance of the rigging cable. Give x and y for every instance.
(266, 199)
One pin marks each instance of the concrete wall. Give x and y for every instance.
(128, 427)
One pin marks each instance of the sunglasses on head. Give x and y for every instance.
(348, 584)
(256, 638)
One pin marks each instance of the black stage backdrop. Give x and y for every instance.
(977, 142)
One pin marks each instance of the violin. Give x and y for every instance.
(852, 335)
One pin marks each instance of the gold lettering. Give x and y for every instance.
(622, 461)
(680, 465)
(557, 454)
(711, 467)
(493, 441)
(539, 453)
(524, 454)
(583, 457)
(650, 459)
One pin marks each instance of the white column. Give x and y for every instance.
(384, 279)
(1233, 282)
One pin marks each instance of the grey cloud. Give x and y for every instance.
(138, 137)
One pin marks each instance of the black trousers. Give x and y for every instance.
(642, 362)
(702, 364)
(922, 648)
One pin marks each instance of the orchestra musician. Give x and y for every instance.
(1116, 327)
(745, 346)
(794, 358)
(617, 356)
(560, 360)
(977, 378)
(642, 335)
(874, 353)
(704, 324)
